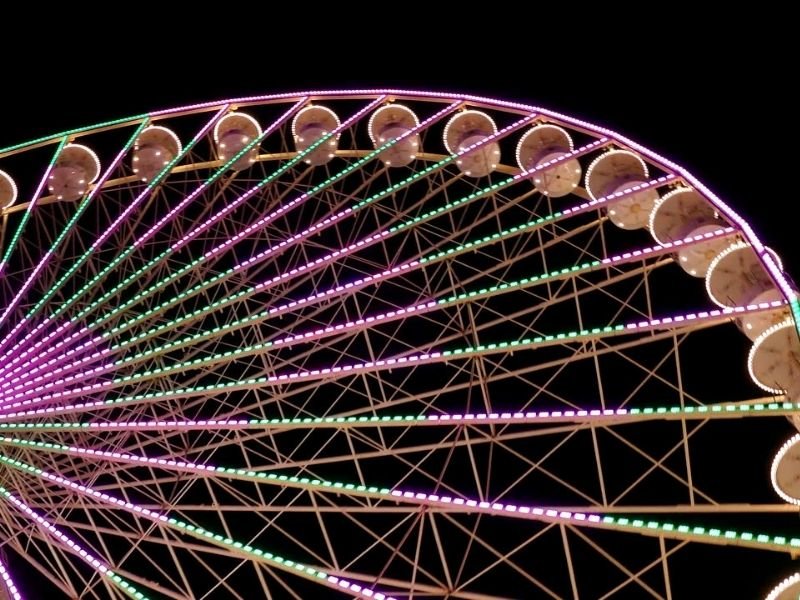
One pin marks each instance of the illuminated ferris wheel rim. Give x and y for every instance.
(540, 114)
(747, 231)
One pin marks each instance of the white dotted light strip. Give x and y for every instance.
(94, 562)
(788, 323)
(773, 473)
(255, 125)
(12, 186)
(645, 172)
(783, 586)
(395, 108)
(141, 139)
(478, 115)
(310, 573)
(13, 592)
(91, 154)
(712, 268)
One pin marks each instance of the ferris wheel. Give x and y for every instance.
(385, 344)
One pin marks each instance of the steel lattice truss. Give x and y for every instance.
(359, 379)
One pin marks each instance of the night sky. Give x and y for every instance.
(717, 100)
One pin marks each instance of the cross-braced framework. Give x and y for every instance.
(444, 349)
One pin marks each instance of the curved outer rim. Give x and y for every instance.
(479, 101)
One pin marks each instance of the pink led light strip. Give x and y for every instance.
(660, 160)
(97, 187)
(185, 201)
(161, 519)
(261, 223)
(358, 324)
(324, 223)
(28, 398)
(96, 244)
(68, 543)
(226, 210)
(99, 370)
(11, 588)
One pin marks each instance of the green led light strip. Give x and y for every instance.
(241, 295)
(187, 268)
(263, 315)
(244, 294)
(466, 247)
(132, 248)
(26, 215)
(85, 256)
(70, 132)
(218, 278)
(148, 266)
(711, 534)
(720, 411)
(443, 356)
(89, 196)
(525, 343)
